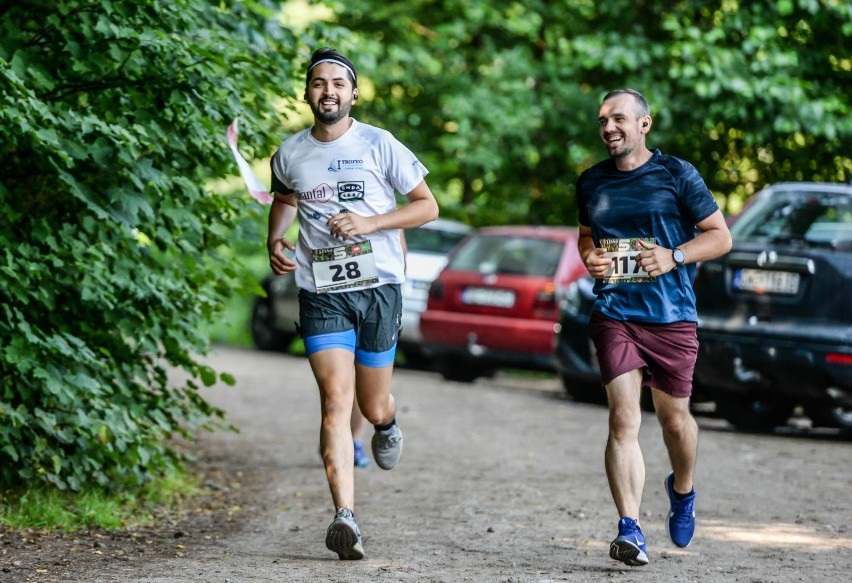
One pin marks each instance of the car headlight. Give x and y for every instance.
(571, 299)
(578, 297)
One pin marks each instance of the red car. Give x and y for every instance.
(496, 303)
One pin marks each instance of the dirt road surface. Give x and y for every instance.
(500, 481)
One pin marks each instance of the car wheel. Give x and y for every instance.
(263, 331)
(416, 359)
(584, 392)
(828, 415)
(752, 414)
(462, 371)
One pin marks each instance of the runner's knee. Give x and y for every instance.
(675, 422)
(624, 422)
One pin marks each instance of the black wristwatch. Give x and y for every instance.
(678, 257)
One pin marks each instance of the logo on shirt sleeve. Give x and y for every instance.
(350, 191)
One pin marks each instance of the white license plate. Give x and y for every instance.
(763, 281)
(482, 296)
(415, 288)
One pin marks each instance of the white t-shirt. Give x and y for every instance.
(357, 173)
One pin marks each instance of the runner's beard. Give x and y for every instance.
(333, 116)
(621, 152)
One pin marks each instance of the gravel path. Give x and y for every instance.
(500, 481)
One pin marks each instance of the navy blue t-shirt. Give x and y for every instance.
(664, 198)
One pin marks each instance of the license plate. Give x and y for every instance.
(763, 281)
(415, 288)
(481, 296)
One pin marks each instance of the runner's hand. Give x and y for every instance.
(344, 226)
(597, 264)
(279, 261)
(653, 259)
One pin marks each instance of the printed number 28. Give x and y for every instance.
(351, 271)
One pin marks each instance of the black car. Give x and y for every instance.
(775, 313)
(576, 362)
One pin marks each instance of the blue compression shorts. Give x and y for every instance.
(346, 340)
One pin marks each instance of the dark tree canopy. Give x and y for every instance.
(503, 96)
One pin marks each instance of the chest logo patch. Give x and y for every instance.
(350, 191)
(340, 165)
(320, 193)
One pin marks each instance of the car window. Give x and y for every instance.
(515, 255)
(432, 240)
(812, 217)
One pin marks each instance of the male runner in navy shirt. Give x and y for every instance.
(638, 214)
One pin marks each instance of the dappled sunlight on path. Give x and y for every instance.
(775, 535)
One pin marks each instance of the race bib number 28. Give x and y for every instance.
(624, 268)
(344, 267)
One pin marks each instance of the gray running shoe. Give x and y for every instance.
(387, 447)
(344, 537)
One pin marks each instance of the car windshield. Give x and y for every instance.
(808, 217)
(515, 255)
(432, 240)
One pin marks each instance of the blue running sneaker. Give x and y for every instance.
(680, 522)
(361, 459)
(344, 537)
(629, 546)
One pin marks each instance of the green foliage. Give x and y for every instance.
(500, 99)
(113, 255)
(761, 92)
(233, 326)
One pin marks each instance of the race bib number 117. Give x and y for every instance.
(624, 268)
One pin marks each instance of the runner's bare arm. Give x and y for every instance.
(282, 213)
(421, 208)
(713, 240)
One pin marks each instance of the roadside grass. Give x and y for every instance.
(43, 507)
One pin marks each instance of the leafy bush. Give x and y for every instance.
(113, 117)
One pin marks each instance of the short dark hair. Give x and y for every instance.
(328, 54)
(644, 108)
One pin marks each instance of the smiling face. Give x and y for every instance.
(330, 93)
(621, 126)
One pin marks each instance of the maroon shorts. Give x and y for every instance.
(666, 353)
